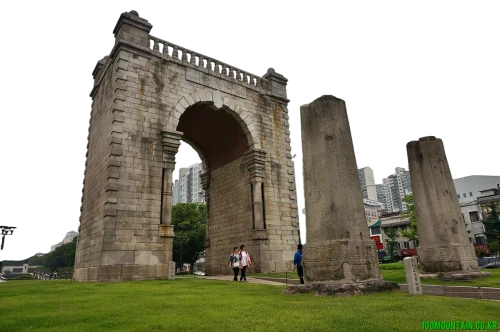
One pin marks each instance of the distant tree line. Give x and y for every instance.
(62, 257)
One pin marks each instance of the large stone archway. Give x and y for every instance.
(148, 95)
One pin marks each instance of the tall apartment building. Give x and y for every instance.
(177, 186)
(380, 192)
(190, 188)
(396, 186)
(367, 182)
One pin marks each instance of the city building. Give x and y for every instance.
(379, 228)
(380, 192)
(473, 224)
(373, 210)
(177, 184)
(15, 269)
(190, 188)
(396, 187)
(367, 182)
(469, 188)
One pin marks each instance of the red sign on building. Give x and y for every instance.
(482, 247)
(409, 252)
(379, 244)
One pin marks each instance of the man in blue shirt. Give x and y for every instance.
(297, 262)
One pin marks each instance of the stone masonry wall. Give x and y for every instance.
(230, 215)
(94, 192)
(142, 93)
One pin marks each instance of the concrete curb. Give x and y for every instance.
(282, 280)
(483, 293)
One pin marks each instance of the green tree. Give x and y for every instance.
(412, 234)
(62, 256)
(391, 235)
(35, 260)
(189, 220)
(492, 229)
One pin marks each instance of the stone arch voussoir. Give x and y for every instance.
(215, 99)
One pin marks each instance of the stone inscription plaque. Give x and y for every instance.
(215, 83)
(412, 276)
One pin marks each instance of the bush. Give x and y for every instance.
(65, 269)
(22, 277)
(392, 266)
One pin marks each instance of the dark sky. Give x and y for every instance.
(396, 88)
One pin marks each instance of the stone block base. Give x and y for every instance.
(341, 260)
(450, 258)
(456, 275)
(342, 289)
(125, 272)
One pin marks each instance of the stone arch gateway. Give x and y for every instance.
(150, 94)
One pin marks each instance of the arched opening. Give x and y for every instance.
(215, 134)
(221, 139)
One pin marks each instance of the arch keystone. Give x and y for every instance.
(208, 95)
(217, 99)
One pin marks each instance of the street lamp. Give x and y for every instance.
(6, 230)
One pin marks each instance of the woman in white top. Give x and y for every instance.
(245, 261)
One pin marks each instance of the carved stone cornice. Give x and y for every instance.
(171, 140)
(256, 162)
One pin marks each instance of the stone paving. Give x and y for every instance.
(249, 279)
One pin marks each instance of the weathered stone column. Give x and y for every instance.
(171, 143)
(205, 183)
(443, 241)
(338, 245)
(255, 160)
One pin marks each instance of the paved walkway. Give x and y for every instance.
(249, 279)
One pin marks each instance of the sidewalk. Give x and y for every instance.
(249, 279)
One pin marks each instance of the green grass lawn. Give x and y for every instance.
(395, 272)
(210, 305)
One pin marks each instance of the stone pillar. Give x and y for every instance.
(205, 183)
(338, 245)
(255, 160)
(170, 143)
(443, 241)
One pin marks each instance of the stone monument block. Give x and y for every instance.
(338, 245)
(171, 270)
(443, 240)
(412, 276)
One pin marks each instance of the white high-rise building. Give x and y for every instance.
(396, 187)
(190, 188)
(367, 182)
(177, 186)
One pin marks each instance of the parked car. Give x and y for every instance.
(489, 262)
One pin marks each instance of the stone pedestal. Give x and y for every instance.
(443, 241)
(412, 276)
(338, 245)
